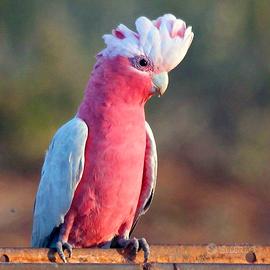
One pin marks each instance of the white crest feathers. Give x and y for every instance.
(165, 41)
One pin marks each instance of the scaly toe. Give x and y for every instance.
(145, 247)
(132, 247)
(60, 247)
(68, 247)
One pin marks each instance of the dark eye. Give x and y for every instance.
(142, 63)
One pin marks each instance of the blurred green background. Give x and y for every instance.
(212, 127)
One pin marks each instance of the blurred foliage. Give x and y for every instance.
(214, 117)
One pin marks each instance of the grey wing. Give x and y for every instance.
(149, 176)
(62, 170)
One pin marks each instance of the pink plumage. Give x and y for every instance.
(99, 174)
(117, 137)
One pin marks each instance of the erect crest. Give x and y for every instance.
(165, 41)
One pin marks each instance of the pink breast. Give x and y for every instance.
(106, 198)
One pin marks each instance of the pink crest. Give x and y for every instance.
(117, 33)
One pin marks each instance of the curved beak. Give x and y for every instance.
(160, 82)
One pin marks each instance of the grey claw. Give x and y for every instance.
(133, 247)
(68, 247)
(145, 247)
(60, 247)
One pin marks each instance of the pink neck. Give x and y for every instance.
(114, 90)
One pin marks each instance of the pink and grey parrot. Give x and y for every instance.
(100, 170)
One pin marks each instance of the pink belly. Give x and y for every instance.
(105, 201)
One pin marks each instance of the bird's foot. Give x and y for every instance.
(132, 246)
(60, 247)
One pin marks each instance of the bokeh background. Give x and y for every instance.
(212, 127)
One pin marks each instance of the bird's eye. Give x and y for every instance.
(142, 63)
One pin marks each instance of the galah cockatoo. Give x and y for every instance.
(100, 170)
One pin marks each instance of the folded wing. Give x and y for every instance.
(149, 176)
(61, 173)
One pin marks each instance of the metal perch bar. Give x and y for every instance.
(186, 254)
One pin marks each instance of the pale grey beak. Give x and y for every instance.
(160, 82)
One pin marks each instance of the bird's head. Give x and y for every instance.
(157, 47)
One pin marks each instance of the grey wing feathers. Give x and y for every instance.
(149, 176)
(61, 173)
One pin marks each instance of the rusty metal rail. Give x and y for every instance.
(184, 257)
